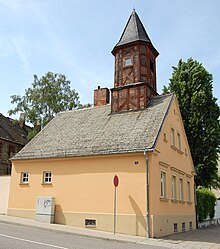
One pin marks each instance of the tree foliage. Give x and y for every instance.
(205, 204)
(47, 96)
(200, 112)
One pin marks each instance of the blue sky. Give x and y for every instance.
(75, 38)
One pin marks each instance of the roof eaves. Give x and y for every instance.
(167, 111)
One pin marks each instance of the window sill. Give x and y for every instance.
(44, 183)
(174, 201)
(24, 183)
(173, 147)
(178, 150)
(164, 199)
(127, 66)
(182, 202)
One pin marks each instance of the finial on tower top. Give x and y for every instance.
(134, 9)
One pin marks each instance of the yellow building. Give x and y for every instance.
(139, 137)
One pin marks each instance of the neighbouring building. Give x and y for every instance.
(139, 137)
(13, 137)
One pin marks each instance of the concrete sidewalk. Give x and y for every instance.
(193, 239)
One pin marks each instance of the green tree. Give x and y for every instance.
(200, 112)
(47, 96)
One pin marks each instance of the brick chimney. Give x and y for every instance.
(101, 96)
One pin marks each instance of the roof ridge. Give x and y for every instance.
(83, 109)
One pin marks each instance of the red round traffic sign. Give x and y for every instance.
(116, 181)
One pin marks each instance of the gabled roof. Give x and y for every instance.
(134, 31)
(94, 131)
(12, 132)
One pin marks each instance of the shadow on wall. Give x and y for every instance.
(140, 219)
(59, 215)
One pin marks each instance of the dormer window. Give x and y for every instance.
(127, 61)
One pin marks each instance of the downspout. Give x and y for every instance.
(147, 195)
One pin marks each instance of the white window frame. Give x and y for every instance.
(174, 193)
(127, 61)
(47, 177)
(189, 191)
(173, 136)
(181, 189)
(24, 178)
(179, 140)
(163, 184)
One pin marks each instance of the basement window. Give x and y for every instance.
(175, 227)
(183, 226)
(90, 223)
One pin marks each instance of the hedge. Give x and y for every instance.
(205, 204)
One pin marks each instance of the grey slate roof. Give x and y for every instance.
(94, 131)
(11, 131)
(134, 31)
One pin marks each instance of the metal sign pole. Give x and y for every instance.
(116, 182)
(115, 210)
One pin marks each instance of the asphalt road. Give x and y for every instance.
(18, 237)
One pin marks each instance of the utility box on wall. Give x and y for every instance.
(45, 209)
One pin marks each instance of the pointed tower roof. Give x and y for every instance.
(134, 31)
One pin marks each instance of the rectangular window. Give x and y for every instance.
(175, 227)
(172, 137)
(179, 141)
(188, 191)
(24, 177)
(174, 187)
(163, 184)
(183, 226)
(190, 225)
(127, 61)
(181, 190)
(47, 177)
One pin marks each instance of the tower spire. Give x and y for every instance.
(135, 68)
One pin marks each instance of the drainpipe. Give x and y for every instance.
(147, 195)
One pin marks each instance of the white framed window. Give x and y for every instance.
(172, 136)
(174, 197)
(24, 178)
(47, 177)
(163, 184)
(181, 190)
(127, 61)
(189, 191)
(179, 141)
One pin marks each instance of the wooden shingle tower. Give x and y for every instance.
(135, 68)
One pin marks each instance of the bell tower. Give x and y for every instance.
(135, 68)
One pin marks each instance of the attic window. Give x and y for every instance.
(127, 61)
